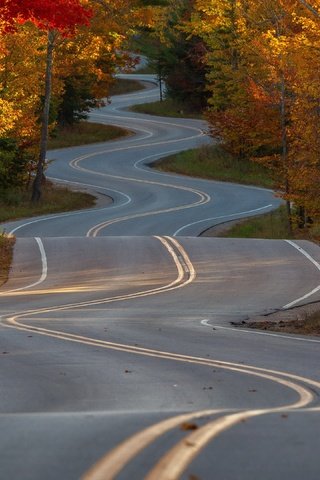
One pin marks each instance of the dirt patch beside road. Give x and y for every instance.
(304, 320)
(6, 252)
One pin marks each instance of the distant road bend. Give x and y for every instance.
(119, 354)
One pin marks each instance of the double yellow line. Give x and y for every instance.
(176, 460)
(185, 274)
(172, 465)
(95, 230)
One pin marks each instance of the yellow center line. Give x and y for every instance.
(204, 197)
(93, 232)
(183, 278)
(178, 458)
(109, 466)
(175, 461)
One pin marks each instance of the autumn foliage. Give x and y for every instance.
(61, 15)
(72, 46)
(263, 79)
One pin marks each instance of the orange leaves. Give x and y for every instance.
(258, 93)
(247, 128)
(264, 82)
(21, 67)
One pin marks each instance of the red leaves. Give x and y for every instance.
(61, 15)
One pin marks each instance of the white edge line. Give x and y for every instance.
(255, 332)
(43, 260)
(97, 187)
(315, 263)
(81, 212)
(222, 216)
(44, 269)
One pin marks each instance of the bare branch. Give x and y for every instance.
(310, 8)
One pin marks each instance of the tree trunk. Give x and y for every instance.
(284, 145)
(301, 217)
(38, 180)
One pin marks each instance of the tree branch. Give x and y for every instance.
(310, 8)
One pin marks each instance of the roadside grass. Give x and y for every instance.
(6, 253)
(166, 108)
(212, 162)
(17, 203)
(84, 133)
(272, 225)
(122, 86)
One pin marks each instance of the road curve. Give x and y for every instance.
(145, 201)
(119, 354)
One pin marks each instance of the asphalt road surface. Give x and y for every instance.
(120, 357)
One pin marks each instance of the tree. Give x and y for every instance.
(60, 15)
(32, 32)
(77, 99)
(177, 57)
(86, 63)
(21, 77)
(304, 130)
(13, 160)
(55, 17)
(221, 27)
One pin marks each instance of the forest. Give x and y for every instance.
(250, 67)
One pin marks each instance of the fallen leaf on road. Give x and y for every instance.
(188, 426)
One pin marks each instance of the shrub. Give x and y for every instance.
(14, 162)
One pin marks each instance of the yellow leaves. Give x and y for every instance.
(214, 8)
(213, 14)
(21, 80)
(277, 44)
(8, 117)
(22, 64)
(146, 17)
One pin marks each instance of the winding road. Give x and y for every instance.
(119, 354)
